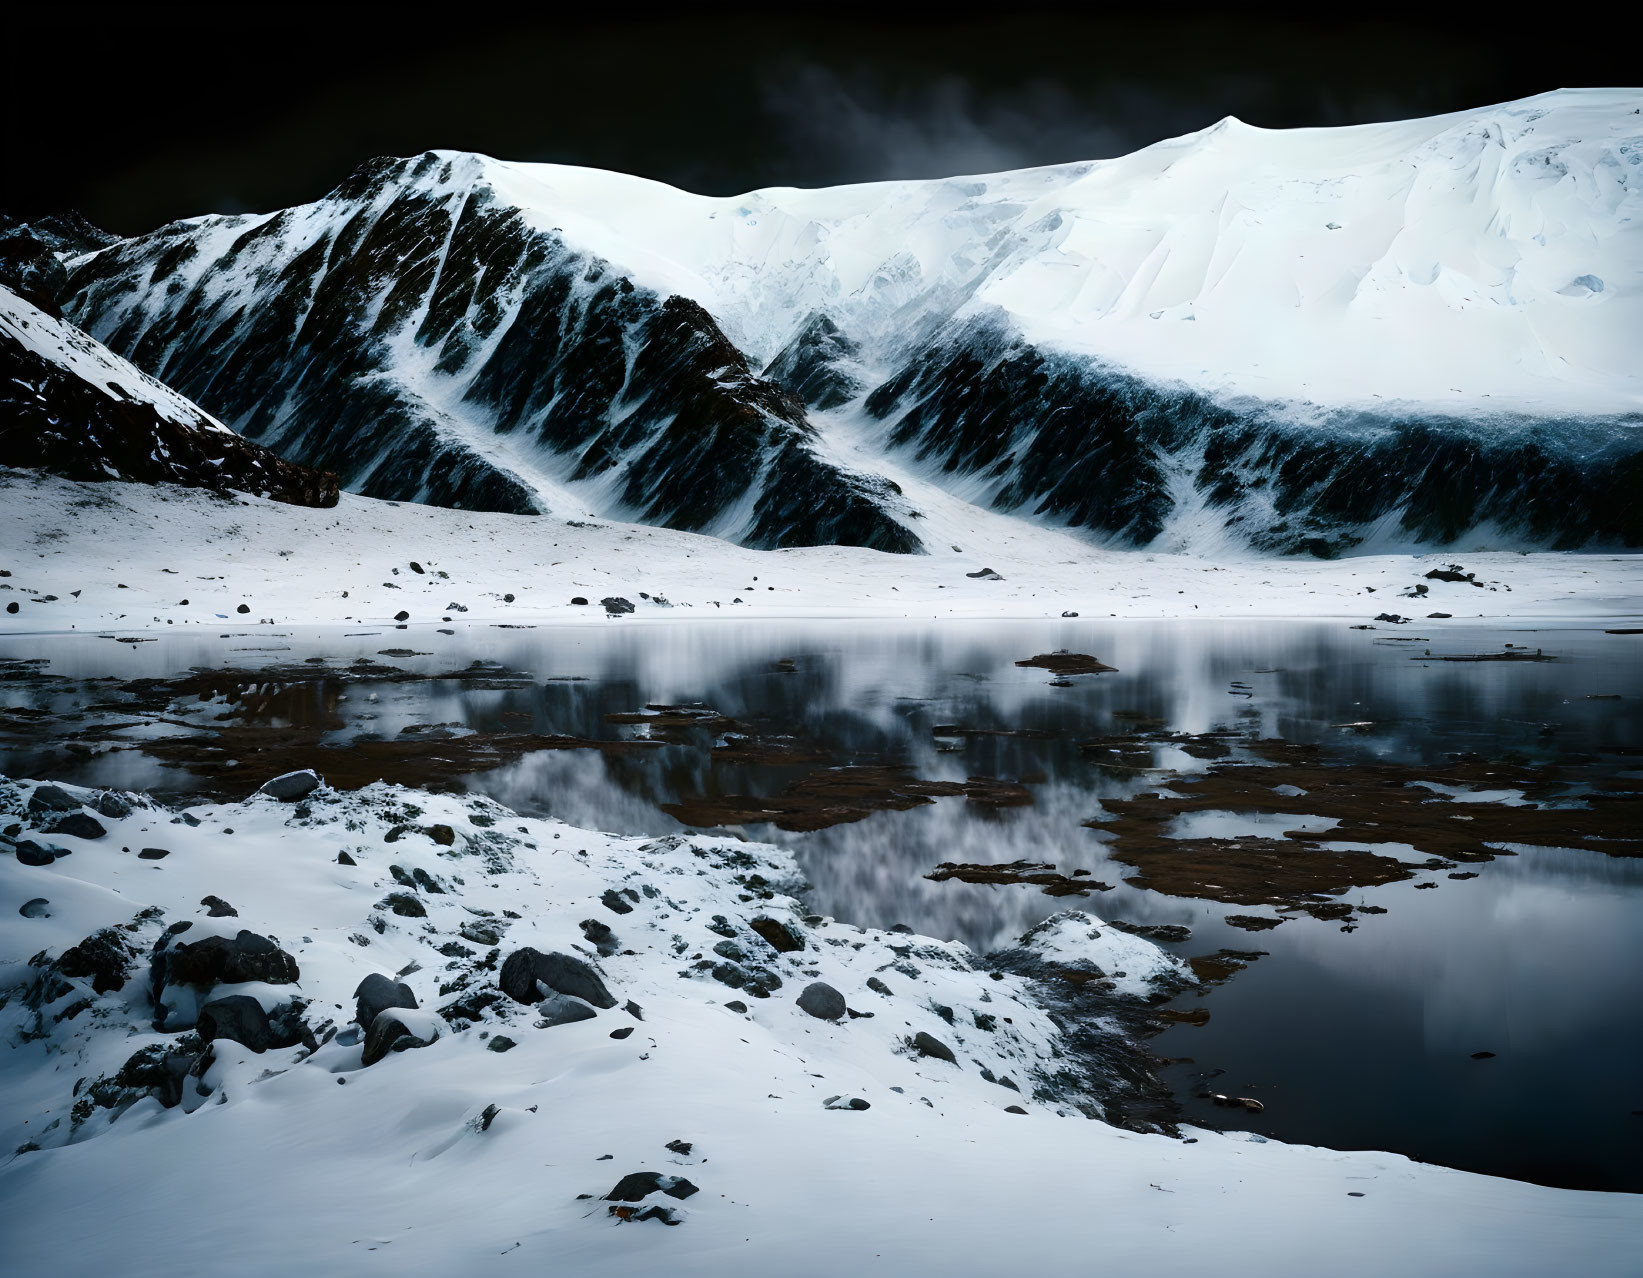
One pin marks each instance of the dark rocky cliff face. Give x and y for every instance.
(56, 416)
(1067, 439)
(422, 339)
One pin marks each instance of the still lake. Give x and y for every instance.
(1358, 1036)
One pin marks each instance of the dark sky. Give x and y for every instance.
(138, 120)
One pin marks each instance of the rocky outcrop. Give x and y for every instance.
(394, 330)
(71, 407)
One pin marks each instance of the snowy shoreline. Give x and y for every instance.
(135, 553)
(367, 1167)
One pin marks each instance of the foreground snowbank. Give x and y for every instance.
(133, 558)
(456, 1157)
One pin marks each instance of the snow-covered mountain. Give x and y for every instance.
(71, 406)
(1381, 335)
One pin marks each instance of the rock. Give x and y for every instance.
(615, 605)
(219, 960)
(579, 601)
(390, 1032)
(291, 786)
(1069, 614)
(417, 569)
(635, 1186)
(78, 825)
(344, 859)
(31, 853)
(623, 1032)
(878, 986)
(599, 936)
(402, 615)
(986, 574)
(930, 1045)
(736, 1005)
(405, 904)
(613, 901)
(846, 1103)
(157, 1071)
(443, 835)
(1014, 1109)
(243, 609)
(1483, 1056)
(500, 1043)
(239, 1018)
(561, 1009)
(153, 854)
(376, 994)
(112, 806)
(1392, 618)
(104, 957)
(777, 934)
(680, 1147)
(822, 1001)
(634, 1010)
(52, 798)
(218, 908)
(525, 968)
(35, 908)
(487, 1117)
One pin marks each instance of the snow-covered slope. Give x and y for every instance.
(196, 1078)
(71, 406)
(1314, 339)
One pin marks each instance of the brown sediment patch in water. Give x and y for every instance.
(1034, 873)
(1068, 663)
(1372, 804)
(835, 796)
(233, 761)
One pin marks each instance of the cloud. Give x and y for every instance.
(868, 124)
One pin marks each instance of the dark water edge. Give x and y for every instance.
(1357, 1039)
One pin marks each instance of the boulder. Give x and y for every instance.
(526, 968)
(397, 1030)
(777, 934)
(112, 806)
(561, 1009)
(52, 798)
(822, 1001)
(31, 853)
(78, 825)
(291, 786)
(930, 1045)
(104, 958)
(239, 1018)
(218, 908)
(35, 908)
(615, 605)
(220, 960)
(635, 1186)
(376, 994)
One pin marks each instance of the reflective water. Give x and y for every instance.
(1350, 1039)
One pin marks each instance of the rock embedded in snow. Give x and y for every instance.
(399, 1029)
(822, 1001)
(376, 994)
(239, 1018)
(153, 854)
(636, 1186)
(291, 786)
(53, 798)
(37, 854)
(35, 908)
(929, 1045)
(615, 605)
(564, 973)
(79, 826)
(221, 960)
(218, 908)
(561, 1009)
